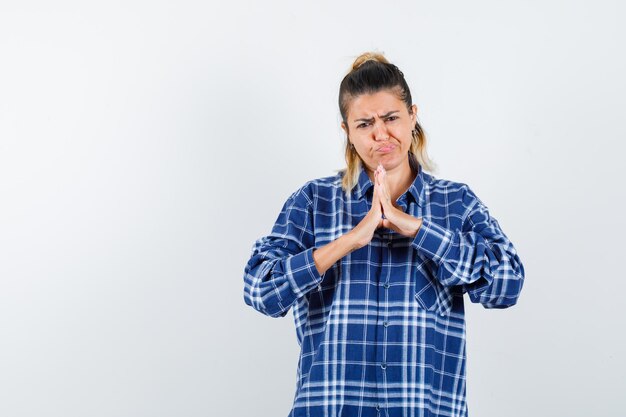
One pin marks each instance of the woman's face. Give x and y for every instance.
(380, 129)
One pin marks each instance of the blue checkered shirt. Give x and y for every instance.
(382, 332)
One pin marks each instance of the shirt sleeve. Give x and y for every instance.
(480, 257)
(281, 268)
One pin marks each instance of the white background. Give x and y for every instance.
(144, 146)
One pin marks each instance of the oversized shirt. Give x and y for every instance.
(382, 332)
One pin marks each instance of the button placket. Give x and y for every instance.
(383, 320)
(385, 323)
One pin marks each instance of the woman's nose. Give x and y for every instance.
(380, 130)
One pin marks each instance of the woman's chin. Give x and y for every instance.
(388, 161)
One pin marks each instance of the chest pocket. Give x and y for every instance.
(429, 293)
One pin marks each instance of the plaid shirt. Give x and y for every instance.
(382, 332)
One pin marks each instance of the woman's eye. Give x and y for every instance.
(390, 118)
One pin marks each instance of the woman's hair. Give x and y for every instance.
(371, 73)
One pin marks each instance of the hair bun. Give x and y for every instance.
(368, 56)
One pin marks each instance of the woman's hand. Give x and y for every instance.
(395, 219)
(363, 232)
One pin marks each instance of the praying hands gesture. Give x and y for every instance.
(362, 233)
(394, 218)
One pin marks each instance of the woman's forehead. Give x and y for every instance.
(379, 103)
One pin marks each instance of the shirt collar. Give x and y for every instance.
(416, 190)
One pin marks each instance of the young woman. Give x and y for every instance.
(374, 262)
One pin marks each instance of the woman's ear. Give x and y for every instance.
(344, 127)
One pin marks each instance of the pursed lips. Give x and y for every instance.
(386, 148)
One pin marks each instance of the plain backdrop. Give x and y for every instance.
(145, 145)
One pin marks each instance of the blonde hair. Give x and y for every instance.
(371, 72)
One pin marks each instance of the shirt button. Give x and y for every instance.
(386, 285)
(389, 244)
(383, 365)
(385, 323)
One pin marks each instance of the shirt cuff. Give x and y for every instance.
(302, 272)
(433, 240)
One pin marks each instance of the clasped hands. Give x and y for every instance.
(394, 219)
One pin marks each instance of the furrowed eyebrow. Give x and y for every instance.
(371, 118)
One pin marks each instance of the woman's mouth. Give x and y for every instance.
(386, 148)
